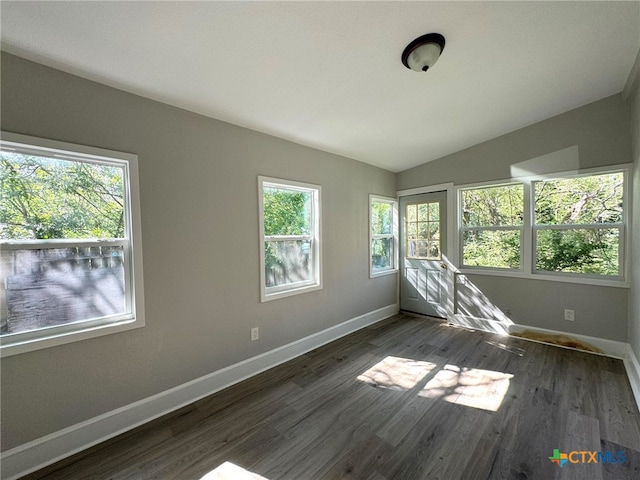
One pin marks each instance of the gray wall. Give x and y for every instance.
(198, 183)
(593, 135)
(634, 293)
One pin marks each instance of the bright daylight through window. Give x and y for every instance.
(579, 224)
(383, 215)
(576, 226)
(491, 231)
(290, 238)
(66, 236)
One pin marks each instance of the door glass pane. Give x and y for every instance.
(412, 213)
(422, 231)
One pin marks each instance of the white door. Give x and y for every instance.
(424, 284)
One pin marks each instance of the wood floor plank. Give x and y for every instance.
(407, 398)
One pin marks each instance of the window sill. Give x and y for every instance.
(551, 278)
(382, 273)
(266, 296)
(17, 347)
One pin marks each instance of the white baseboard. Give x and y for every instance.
(49, 449)
(611, 348)
(633, 372)
(483, 324)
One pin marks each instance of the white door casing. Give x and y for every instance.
(426, 276)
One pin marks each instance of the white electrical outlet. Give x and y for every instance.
(569, 315)
(255, 334)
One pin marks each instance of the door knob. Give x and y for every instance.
(443, 265)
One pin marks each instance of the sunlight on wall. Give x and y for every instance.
(472, 302)
(231, 471)
(396, 373)
(472, 387)
(558, 161)
(473, 309)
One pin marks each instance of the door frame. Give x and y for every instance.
(452, 254)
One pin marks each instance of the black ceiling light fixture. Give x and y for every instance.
(421, 54)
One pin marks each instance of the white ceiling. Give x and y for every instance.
(328, 74)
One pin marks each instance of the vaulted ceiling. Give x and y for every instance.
(328, 74)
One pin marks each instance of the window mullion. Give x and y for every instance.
(527, 236)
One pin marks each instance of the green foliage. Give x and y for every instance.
(286, 212)
(593, 251)
(587, 206)
(591, 200)
(493, 206)
(381, 218)
(46, 198)
(492, 248)
(500, 206)
(381, 224)
(582, 200)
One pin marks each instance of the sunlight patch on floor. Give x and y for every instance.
(397, 373)
(509, 348)
(231, 471)
(472, 387)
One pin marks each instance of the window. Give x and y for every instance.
(570, 227)
(422, 224)
(579, 224)
(289, 238)
(383, 234)
(69, 231)
(491, 231)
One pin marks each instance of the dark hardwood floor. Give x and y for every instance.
(408, 398)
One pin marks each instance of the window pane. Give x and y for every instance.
(412, 213)
(583, 250)
(422, 228)
(51, 198)
(492, 248)
(423, 212)
(57, 286)
(382, 253)
(286, 211)
(582, 200)
(428, 250)
(493, 206)
(381, 218)
(434, 211)
(287, 262)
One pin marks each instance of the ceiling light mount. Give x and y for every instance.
(421, 54)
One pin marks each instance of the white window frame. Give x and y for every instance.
(132, 244)
(315, 237)
(462, 228)
(373, 198)
(528, 238)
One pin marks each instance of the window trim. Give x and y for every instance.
(281, 291)
(528, 270)
(509, 228)
(72, 332)
(373, 273)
